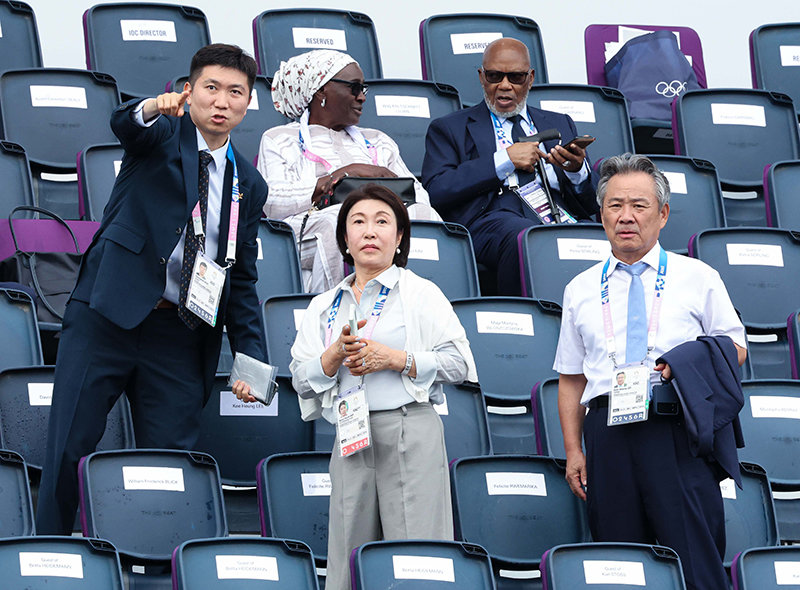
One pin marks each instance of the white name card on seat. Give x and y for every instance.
(463, 43)
(442, 408)
(677, 182)
(69, 97)
(148, 30)
(117, 166)
(388, 105)
(775, 406)
(581, 111)
(423, 249)
(582, 249)
(624, 573)
(319, 38)
(230, 405)
(298, 317)
(247, 567)
(58, 565)
(40, 394)
(316, 484)
(514, 483)
(787, 573)
(738, 114)
(790, 55)
(138, 477)
(727, 487)
(253, 106)
(503, 322)
(755, 254)
(418, 567)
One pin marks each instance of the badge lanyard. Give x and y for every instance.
(504, 141)
(655, 311)
(233, 225)
(371, 322)
(351, 130)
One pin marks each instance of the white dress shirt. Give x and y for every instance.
(695, 303)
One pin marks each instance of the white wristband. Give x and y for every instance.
(409, 363)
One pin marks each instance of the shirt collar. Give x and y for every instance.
(218, 154)
(387, 278)
(650, 259)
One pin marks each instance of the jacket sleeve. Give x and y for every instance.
(133, 137)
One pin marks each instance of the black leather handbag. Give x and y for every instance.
(402, 187)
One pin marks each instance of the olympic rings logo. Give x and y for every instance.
(670, 90)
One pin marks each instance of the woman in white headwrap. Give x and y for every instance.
(304, 160)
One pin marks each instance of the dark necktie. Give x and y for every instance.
(193, 243)
(636, 335)
(523, 176)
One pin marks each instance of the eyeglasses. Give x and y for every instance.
(496, 76)
(355, 87)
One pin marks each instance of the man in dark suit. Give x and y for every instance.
(127, 326)
(471, 159)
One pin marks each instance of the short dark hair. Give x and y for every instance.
(226, 56)
(375, 192)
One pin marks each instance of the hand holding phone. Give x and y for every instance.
(353, 321)
(581, 141)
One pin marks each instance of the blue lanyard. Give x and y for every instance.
(380, 302)
(499, 132)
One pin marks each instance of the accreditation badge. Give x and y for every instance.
(533, 195)
(205, 288)
(629, 401)
(352, 421)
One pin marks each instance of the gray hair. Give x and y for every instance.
(627, 163)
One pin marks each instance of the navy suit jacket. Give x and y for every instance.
(123, 274)
(459, 174)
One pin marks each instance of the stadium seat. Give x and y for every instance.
(766, 568)
(422, 565)
(244, 564)
(615, 565)
(15, 174)
(552, 255)
(98, 166)
(451, 48)
(740, 131)
(761, 271)
(696, 201)
(16, 505)
(781, 182)
(282, 317)
(403, 109)
(59, 563)
(19, 43)
(549, 438)
(598, 111)
(516, 507)
(465, 422)
(293, 499)
(749, 512)
(20, 345)
(278, 262)
(143, 45)
(774, 55)
(442, 253)
(283, 33)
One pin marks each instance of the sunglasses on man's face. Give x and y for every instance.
(496, 76)
(355, 87)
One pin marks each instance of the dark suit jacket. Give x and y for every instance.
(458, 171)
(124, 270)
(706, 372)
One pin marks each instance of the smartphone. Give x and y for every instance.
(582, 141)
(353, 321)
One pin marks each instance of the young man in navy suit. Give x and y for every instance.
(472, 158)
(183, 195)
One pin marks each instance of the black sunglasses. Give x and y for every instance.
(496, 76)
(355, 87)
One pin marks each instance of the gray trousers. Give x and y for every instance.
(398, 488)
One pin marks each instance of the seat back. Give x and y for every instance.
(293, 498)
(598, 111)
(19, 45)
(552, 255)
(148, 501)
(98, 166)
(246, 564)
(584, 566)
(403, 109)
(766, 568)
(60, 563)
(238, 435)
(55, 113)
(549, 438)
(16, 174)
(423, 565)
(773, 53)
(465, 422)
(596, 38)
(278, 263)
(781, 182)
(513, 341)
(20, 345)
(695, 203)
(442, 253)
(451, 48)
(282, 317)
(16, 505)
(516, 506)
(284, 33)
(143, 45)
